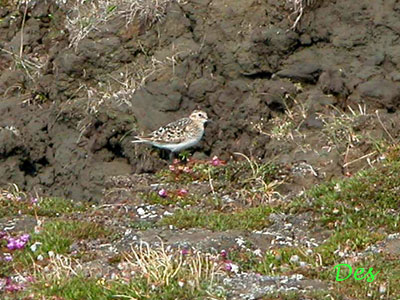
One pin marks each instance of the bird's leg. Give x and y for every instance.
(171, 157)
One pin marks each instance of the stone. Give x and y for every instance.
(385, 92)
(332, 82)
(302, 72)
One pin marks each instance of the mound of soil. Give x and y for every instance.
(72, 100)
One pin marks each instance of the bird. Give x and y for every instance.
(178, 135)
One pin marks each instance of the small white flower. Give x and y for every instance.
(51, 254)
(337, 188)
(240, 241)
(303, 264)
(35, 246)
(288, 225)
(382, 289)
(294, 259)
(140, 211)
(40, 257)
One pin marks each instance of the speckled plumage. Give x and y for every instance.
(178, 135)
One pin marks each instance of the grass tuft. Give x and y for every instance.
(254, 218)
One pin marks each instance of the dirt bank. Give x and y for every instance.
(87, 78)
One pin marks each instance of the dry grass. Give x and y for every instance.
(298, 7)
(259, 191)
(86, 16)
(58, 267)
(162, 266)
(285, 127)
(339, 126)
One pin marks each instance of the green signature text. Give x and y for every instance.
(359, 274)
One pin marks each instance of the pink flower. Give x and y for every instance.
(187, 170)
(162, 193)
(17, 243)
(25, 237)
(34, 200)
(8, 258)
(14, 244)
(224, 254)
(184, 252)
(229, 266)
(216, 161)
(13, 287)
(171, 168)
(182, 192)
(3, 234)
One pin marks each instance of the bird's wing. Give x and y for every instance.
(173, 132)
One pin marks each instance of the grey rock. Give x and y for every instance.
(303, 72)
(68, 62)
(152, 102)
(333, 82)
(11, 80)
(385, 92)
(200, 87)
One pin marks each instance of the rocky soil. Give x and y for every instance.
(78, 81)
(71, 96)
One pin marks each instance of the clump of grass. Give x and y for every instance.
(56, 237)
(160, 273)
(54, 206)
(162, 266)
(247, 219)
(81, 287)
(339, 127)
(14, 202)
(85, 17)
(172, 198)
(142, 225)
(285, 127)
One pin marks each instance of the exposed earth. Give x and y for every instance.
(69, 110)
(318, 98)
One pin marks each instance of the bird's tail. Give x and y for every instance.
(138, 140)
(141, 139)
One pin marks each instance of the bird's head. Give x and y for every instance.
(199, 115)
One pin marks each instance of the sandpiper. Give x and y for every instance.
(178, 135)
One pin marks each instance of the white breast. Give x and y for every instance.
(180, 146)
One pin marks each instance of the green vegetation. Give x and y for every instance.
(369, 200)
(173, 198)
(56, 236)
(246, 219)
(354, 213)
(159, 274)
(16, 202)
(80, 287)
